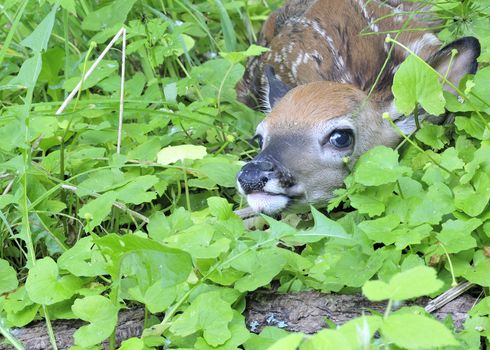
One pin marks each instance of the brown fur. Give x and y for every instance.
(315, 40)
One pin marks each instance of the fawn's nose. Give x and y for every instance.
(255, 175)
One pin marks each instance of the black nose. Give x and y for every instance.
(255, 174)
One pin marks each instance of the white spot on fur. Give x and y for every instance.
(428, 39)
(337, 58)
(372, 25)
(274, 186)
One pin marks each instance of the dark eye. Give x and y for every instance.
(259, 139)
(341, 138)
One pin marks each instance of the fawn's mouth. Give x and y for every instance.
(267, 203)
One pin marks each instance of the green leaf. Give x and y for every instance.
(97, 210)
(327, 227)
(101, 314)
(414, 82)
(367, 204)
(220, 170)
(262, 266)
(45, 286)
(381, 230)
(431, 207)
(432, 135)
(83, 259)
(360, 330)
(108, 16)
(8, 277)
(227, 27)
(328, 339)
(38, 39)
(104, 69)
(175, 263)
(413, 283)
(473, 198)
(236, 57)
(456, 234)
(220, 208)
(132, 344)
(289, 342)
(173, 154)
(135, 192)
(197, 240)
(416, 332)
(450, 159)
(207, 313)
(29, 72)
(378, 166)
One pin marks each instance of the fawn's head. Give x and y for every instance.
(315, 132)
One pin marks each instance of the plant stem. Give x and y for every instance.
(9, 337)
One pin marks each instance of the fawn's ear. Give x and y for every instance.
(275, 89)
(468, 50)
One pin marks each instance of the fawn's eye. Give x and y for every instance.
(340, 138)
(259, 140)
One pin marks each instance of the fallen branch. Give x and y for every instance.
(305, 312)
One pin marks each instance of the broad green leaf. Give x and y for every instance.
(430, 207)
(267, 337)
(327, 227)
(83, 259)
(45, 286)
(108, 16)
(173, 154)
(8, 277)
(136, 191)
(97, 210)
(328, 339)
(236, 57)
(450, 159)
(197, 241)
(29, 72)
(102, 316)
(381, 230)
(289, 342)
(414, 83)
(239, 334)
(456, 234)
(473, 126)
(220, 170)
(367, 203)
(416, 332)
(359, 331)
(412, 283)
(262, 266)
(378, 166)
(432, 135)
(207, 313)
(132, 344)
(478, 273)
(19, 308)
(150, 279)
(39, 38)
(473, 198)
(104, 69)
(220, 208)
(175, 263)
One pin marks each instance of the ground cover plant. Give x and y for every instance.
(88, 229)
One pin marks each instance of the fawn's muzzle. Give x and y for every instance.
(255, 175)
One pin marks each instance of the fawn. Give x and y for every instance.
(314, 83)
